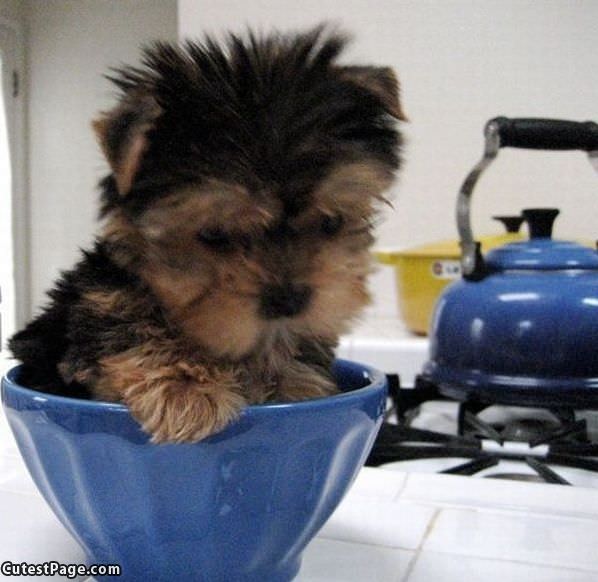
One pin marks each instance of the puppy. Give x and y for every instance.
(237, 221)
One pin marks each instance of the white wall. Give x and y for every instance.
(71, 45)
(12, 9)
(461, 62)
(13, 212)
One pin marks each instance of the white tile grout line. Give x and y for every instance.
(418, 550)
(508, 561)
(512, 511)
(512, 508)
(362, 543)
(401, 489)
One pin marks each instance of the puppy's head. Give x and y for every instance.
(245, 178)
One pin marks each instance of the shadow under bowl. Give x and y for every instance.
(239, 506)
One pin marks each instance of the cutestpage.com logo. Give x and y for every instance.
(69, 571)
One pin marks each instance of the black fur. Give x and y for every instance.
(269, 113)
(67, 332)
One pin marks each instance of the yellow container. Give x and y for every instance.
(423, 272)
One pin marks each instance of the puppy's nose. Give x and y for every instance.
(284, 300)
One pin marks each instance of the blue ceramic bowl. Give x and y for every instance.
(238, 506)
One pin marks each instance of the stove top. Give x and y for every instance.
(427, 432)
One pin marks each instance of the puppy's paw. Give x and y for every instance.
(175, 411)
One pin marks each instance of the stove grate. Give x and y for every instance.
(558, 439)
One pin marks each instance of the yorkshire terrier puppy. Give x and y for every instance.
(237, 225)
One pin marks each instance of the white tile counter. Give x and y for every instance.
(392, 526)
(416, 528)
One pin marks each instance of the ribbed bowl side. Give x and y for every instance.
(239, 506)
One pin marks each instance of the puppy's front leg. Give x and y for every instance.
(299, 381)
(175, 401)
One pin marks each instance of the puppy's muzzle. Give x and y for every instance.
(284, 300)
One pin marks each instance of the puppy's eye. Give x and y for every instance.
(214, 238)
(331, 225)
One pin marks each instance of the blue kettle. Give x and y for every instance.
(521, 325)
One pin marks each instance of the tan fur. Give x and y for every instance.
(128, 245)
(106, 302)
(300, 382)
(352, 190)
(127, 168)
(125, 161)
(382, 82)
(83, 376)
(175, 400)
(213, 299)
(215, 204)
(238, 217)
(100, 128)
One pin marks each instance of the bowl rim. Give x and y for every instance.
(377, 382)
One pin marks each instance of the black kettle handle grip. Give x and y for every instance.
(546, 134)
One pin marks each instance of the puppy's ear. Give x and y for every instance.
(122, 134)
(381, 82)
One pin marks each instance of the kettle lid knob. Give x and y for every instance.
(540, 221)
(512, 223)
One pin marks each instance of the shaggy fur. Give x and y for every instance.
(237, 222)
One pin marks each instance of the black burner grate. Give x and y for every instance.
(561, 441)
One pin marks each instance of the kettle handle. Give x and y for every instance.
(546, 134)
(528, 133)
